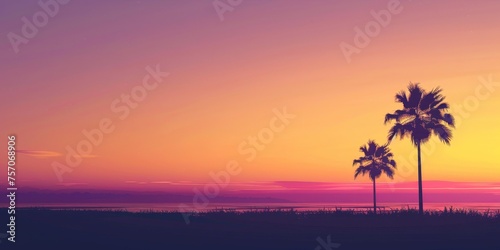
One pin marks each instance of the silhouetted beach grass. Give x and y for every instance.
(256, 229)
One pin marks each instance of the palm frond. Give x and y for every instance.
(390, 117)
(388, 171)
(375, 158)
(442, 106)
(420, 133)
(397, 129)
(416, 93)
(364, 150)
(443, 133)
(372, 147)
(393, 164)
(436, 114)
(361, 170)
(402, 98)
(375, 173)
(359, 161)
(449, 119)
(430, 99)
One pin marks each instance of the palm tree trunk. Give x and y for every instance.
(374, 198)
(420, 191)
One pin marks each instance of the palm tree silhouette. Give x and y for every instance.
(375, 161)
(423, 113)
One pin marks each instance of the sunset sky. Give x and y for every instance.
(227, 76)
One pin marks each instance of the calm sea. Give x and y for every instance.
(158, 207)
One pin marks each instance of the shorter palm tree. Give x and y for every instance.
(375, 161)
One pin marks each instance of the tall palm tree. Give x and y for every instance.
(376, 160)
(423, 114)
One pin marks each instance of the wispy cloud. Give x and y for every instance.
(153, 182)
(137, 182)
(39, 153)
(47, 154)
(71, 184)
(161, 182)
(433, 186)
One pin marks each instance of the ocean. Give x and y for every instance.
(182, 207)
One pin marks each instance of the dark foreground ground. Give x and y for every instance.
(47, 229)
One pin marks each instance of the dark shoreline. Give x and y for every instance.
(259, 230)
